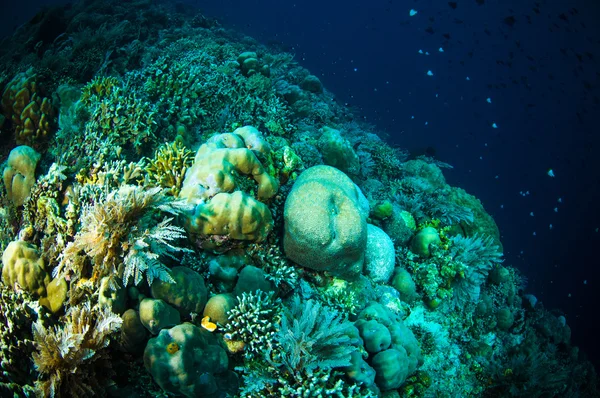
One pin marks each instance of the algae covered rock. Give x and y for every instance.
(325, 225)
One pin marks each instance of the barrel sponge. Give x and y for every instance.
(188, 294)
(325, 225)
(23, 265)
(188, 361)
(221, 163)
(394, 351)
(227, 216)
(19, 175)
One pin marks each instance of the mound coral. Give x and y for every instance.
(19, 175)
(325, 222)
(189, 361)
(221, 164)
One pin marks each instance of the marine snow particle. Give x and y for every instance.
(412, 13)
(494, 125)
(429, 73)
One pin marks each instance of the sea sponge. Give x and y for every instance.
(226, 217)
(19, 175)
(133, 333)
(224, 268)
(218, 306)
(222, 163)
(189, 361)
(156, 315)
(250, 280)
(325, 223)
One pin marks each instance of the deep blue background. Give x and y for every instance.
(542, 75)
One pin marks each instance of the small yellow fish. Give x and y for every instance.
(208, 325)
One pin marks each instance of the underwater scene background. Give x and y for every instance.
(303, 199)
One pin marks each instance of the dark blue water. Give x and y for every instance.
(537, 62)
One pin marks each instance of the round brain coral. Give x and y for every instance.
(325, 222)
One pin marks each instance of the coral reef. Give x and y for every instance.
(295, 253)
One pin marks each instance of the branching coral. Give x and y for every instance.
(168, 167)
(18, 311)
(276, 266)
(253, 321)
(118, 114)
(309, 350)
(31, 114)
(72, 358)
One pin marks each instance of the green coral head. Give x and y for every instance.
(382, 210)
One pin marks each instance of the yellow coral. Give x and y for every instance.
(24, 268)
(230, 216)
(99, 87)
(168, 167)
(19, 176)
(220, 161)
(22, 265)
(32, 115)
